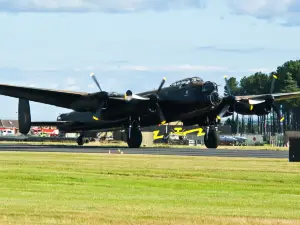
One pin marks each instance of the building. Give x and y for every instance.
(9, 127)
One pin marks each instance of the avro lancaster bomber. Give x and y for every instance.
(191, 100)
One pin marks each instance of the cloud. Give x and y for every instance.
(71, 84)
(70, 81)
(145, 68)
(175, 68)
(132, 67)
(111, 6)
(234, 50)
(286, 11)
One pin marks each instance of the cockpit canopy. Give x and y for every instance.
(206, 87)
(187, 81)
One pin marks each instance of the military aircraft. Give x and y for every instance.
(189, 100)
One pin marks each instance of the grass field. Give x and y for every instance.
(123, 144)
(60, 188)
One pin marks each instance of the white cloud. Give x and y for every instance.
(79, 73)
(146, 68)
(286, 11)
(71, 84)
(166, 68)
(70, 81)
(40, 70)
(112, 6)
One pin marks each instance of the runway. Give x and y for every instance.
(149, 151)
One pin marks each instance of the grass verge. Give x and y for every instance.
(61, 188)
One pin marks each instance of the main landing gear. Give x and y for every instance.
(211, 138)
(134, 134)
(81, 140)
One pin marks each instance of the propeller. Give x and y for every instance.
(270, 99)
(97, 115)
(254, 102)
(154, 103)
(103, 96)
(232, 100)
(129, 96)
(96, 81)
(229, 101)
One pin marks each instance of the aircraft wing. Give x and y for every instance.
(47, 96)
(80, 101)
(277, 96)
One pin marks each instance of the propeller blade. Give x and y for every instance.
(161, 85)
(98, 112)
(129, 131)
(279, 116)
(223, 111)
(273, 83)
(96, 81)
(227, 85)
(160, 114)
(139, 97)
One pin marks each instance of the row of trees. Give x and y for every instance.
(260, 83)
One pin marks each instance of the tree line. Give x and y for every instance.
(288, 80)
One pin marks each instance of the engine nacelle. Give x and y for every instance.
(258, 109)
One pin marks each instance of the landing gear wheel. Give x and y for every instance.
(80, 140)
(211, 138)
(135, 139)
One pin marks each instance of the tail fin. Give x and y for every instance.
(24, 116)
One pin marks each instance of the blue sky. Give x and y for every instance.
(132, 44)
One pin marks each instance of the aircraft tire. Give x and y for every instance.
(211, 139)
(80, 140)
(136, 138)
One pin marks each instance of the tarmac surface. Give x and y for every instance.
(149, 151)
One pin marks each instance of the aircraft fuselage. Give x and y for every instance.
(179, 103)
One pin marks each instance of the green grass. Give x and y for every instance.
(123, 144)
(61, 188)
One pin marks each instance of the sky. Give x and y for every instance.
(133, 44)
